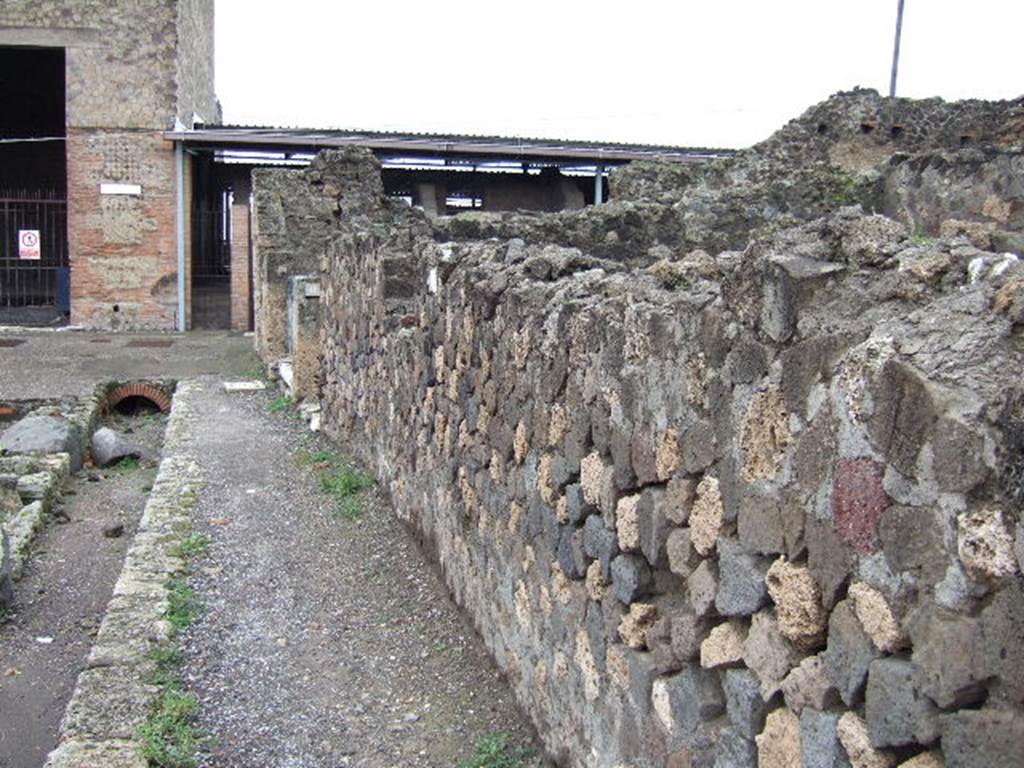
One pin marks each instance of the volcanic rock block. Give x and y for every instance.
(724, 645)
(743, 702)
(819, 740)
(741, 587)
(768, 653)
(685, 700)
(897, 712)
(849, 653)
(631, 578)
(986, 737)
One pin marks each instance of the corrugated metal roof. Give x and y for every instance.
(458, 145)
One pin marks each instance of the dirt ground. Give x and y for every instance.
(64, 591)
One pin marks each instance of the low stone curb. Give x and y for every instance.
(112, 697)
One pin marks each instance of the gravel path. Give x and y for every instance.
(327, 641)
(62, 596)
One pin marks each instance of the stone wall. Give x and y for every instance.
(731, 506)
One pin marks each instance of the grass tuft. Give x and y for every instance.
(496, 751)
(281, 404)
(183, 607)
(192, 546)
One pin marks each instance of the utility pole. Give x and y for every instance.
(895, 60)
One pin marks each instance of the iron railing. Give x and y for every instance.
(34, 282)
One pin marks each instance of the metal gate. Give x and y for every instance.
(34, 273)
(211, 265)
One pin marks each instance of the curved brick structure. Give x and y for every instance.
(150, 392)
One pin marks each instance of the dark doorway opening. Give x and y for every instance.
(211, 247)
(34, 272)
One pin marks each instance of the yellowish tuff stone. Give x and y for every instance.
(440, 427)
(985, 545)
(561, 587)
(876, 617)
(634, 625)
(798, 608)
(597, 585)
(924, 760)
(561, 667)
(666, 454)
(562, 510)
(558, 424)
(519, 444)
(853, 735)
(545, 600)
(548, 489)
(465, 435)
(807, 685)
(723, 645)
(765, 435)
(627, 523)
(696, 379)
(591, 477)
(521, 346)
(529, 558)
(584, 658)
(483, 421)
(522, 601)
(515, 515)
(440, 368)
(618, 665)
(497, 467)
(707, 516)
(778, 745)
(483, 523)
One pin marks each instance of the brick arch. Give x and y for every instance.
(154, 394)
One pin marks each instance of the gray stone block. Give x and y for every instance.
(989, 738)
(743, 702)
(944, 647)
(745, 363)
(688, 631)
(6, 572)
(109, 447)
(600, 543)
(572, 556)
(849, 653)
(702, 585)
(735, 750)
(700, 447)
(576, 505)
(760, 525)
(958, 457)
(1000, 652)
(913, 540)
(40, 435)
(631, 578)
(685, 701)
(654, 526)
(896, 710)
(741, 586)
(819, 740)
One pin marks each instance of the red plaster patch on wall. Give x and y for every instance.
(858, 501)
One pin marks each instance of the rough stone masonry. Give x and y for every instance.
(729, 471)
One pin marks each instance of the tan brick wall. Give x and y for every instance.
(240, 280)
(122, 247)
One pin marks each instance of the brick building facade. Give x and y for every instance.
(130, 72)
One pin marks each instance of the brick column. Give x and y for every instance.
(241, 286)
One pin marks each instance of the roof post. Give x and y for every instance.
(598, 184)
(179, 162)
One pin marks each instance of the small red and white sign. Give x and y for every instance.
(28, 244)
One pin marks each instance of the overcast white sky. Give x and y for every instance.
(690, 72)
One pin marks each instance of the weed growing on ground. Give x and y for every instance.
(193, 545)
(496, 751)
(169, 739)
(258, 370)
(345, 485)
(182, 606)
(280, 404)
(128, 464)
(338, 479)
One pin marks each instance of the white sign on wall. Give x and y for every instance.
(28, 244)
